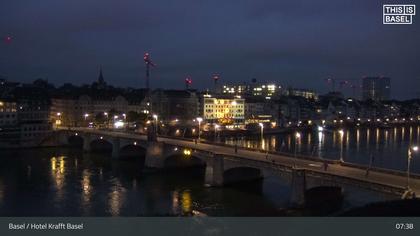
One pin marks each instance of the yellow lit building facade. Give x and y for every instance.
(226, 111)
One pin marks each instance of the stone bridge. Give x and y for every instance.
(224, 168)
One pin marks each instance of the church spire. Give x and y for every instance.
(101, 77)
(101, 82)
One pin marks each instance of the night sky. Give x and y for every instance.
(296, 43)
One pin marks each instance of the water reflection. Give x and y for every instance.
(116, 198)
(86, 191)
(57, 174)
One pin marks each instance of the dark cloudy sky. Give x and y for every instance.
(294, 42)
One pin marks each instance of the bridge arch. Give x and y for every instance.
(101, 145)
(240, 174)
(132, 151)
(75, 141)
(183, 159)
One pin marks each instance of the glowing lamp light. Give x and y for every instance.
(320, 128)
(341, 132)
(118, 124)
(187, 152)
(297, 135)
(415, 148)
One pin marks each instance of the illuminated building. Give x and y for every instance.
(260, 111)
(306, 93)
(224, 110)
(182, 105)
(266, 90)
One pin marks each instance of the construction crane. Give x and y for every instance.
(152, 131)
(215, 78)
(149, 63)
(188, 82)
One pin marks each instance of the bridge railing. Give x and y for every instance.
(325, 175)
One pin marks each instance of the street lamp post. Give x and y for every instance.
(58, 121)
(156, 122)
(199, 119)
(216, 126)
(409, 156)
(262, 134)
(262, 130)
(341, 132)
(86, 115)
(297, 138)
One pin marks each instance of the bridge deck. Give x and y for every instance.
(376, 177)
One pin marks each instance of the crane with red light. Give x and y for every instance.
(215, 78)
(152, 131)
(8, 39)
(149, 63)
(188, 82)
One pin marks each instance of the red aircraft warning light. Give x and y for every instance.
(8, 39)
(188, 82)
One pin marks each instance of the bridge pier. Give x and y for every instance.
(86, 142)
(297, 196)
(214, 171)
(155, 155)
(116, 148)
(63, 138)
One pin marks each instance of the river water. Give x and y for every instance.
(69, 182)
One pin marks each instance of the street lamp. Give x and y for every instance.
(58, 121)
(297, 138)
(409, 156)
(156, 121)
(199, 119)
(320, 128)
(341, 132)
(216, 126)
(86, 116)
(262, 130)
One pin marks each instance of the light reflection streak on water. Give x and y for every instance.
(358, 139)
(402, 133)
(116, 197)
(411, 135)
(86, 191)
(58, 175)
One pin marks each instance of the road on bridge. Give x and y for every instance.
(397, 181)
